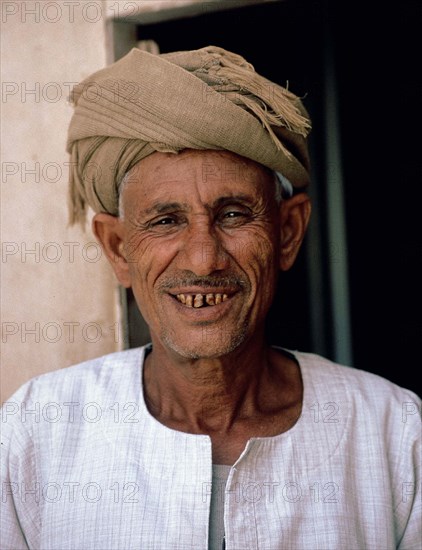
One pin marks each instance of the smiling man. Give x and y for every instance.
(196, 167)
(202, 256)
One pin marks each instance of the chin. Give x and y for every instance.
(209, 344)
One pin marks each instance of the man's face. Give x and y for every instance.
(202, 240)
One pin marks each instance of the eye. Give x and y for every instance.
(166, 223)
(234, 215)
(163, 221)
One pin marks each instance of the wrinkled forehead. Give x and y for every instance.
(210, 165)
(214, 171)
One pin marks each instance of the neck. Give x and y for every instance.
(209, 395)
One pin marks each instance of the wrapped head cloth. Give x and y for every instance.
(203, 99)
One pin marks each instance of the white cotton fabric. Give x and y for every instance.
(90, 468)
(220, 475)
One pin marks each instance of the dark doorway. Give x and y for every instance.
(378, 96)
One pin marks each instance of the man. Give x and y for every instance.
(207, 437)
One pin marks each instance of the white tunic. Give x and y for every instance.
(85, 466)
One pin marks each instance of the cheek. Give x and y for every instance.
(254, 250)
(147, 258)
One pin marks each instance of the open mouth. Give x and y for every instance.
(201, 300)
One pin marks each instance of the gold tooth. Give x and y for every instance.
(217, 299)
(209, 298)
(198, 300)
(225, 297)
(189, 300)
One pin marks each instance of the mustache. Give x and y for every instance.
(190, 279)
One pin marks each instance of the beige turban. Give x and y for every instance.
(202, 99)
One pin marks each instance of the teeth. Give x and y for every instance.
(198, 301)
(210, 299)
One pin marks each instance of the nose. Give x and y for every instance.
(202, 251)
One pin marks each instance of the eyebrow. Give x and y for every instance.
(164, 207)
(240, 197)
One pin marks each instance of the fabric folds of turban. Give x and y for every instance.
(203, 99)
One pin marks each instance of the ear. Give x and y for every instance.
(294, 217)
(109, 231)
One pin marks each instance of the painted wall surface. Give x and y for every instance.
(149, 11)
(59, 301)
